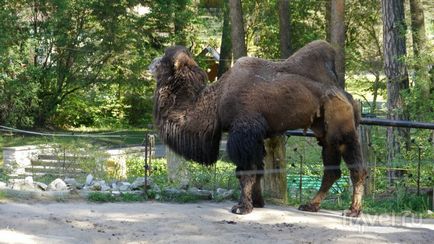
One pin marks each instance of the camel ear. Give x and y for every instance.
(182, 59)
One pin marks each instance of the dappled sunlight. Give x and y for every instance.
(12, 236)
(197, 222)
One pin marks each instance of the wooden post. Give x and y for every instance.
(365, 140)
(275, 181)
(177, 168)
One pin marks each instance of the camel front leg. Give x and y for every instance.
(245, 205)
(331, 160)
(257, 199)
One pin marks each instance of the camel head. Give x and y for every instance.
(185, 122)
(176, 68)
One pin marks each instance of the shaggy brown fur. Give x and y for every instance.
(254, 100)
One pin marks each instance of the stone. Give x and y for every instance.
(104, 186)
(40, 185)
(115, 186)
(89, 179)
(116, 193)
(22, 185)
(28, 180)
(99, 185)
(96, 186)
(57, 185)
(202, 194)
(172, 192)
(139, 183)
(124, 186)
(223, 193)
(72, 183)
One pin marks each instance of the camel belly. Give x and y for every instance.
(286, 106)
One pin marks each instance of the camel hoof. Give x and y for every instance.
(241, 209)
(353, 213)
(309, 208)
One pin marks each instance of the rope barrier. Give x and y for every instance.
(10, 129)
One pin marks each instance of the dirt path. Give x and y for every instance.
(205, 222)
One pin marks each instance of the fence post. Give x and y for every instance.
(177, 168)
(275, 182)
(365, 141)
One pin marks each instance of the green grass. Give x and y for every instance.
(397, 204)
(108, 197)
(183, 197)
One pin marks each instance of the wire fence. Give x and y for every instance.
(123, 154)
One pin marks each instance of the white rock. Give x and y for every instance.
(72, 183)
(57, 185)
(89, 179)
(21, 185)
(40, 185)
(28, 180)
(3, 185)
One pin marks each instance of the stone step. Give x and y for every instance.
(55, 163)
(54, 170)
(60, 157)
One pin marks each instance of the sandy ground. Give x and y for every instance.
(205, 222)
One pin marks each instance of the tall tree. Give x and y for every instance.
(417, 26)
(284, 29)
(328, 9)
(394, 50)
(419, 42)
(180, 21)
(226, 45)
(239, 48)
(337, 37)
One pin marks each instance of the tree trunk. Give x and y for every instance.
(328, 6)
(395, 71)
(284, 29)
(419, 41)
(417, 26)
(337, 37)
(226, 45)
(237, 29)
(275, 182)
(365, 142)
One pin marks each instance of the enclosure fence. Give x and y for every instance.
(120, 155)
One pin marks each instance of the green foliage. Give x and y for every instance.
(135, 167)
(182, 197)
(101, 197)
(158, 169)
(109, 197)
(4, 176)
(222, 175)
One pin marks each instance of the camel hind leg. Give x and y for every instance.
(340, 123)
(339, 138)
(351, 153)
